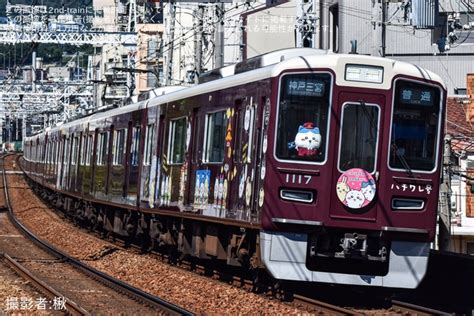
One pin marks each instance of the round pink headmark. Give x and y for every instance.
(356, 188)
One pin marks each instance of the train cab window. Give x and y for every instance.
(214, 139)
(302, 126)
(149, 137)
(102, 148)
(135, 149)
(359, 136)
(119, 142)
(415, 126)
(177, 140)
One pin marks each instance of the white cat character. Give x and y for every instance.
(355, 199)
(307, 141)
(368, 189)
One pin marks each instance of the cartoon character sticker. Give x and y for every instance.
(356, 188)
(201, 189)
(342, 188)
(307, 140)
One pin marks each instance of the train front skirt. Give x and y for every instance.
(284, 255)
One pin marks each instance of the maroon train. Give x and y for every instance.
(315, 166)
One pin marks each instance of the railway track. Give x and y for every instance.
(413, 309)
(310, 304)
(69, 305)
(57, 275)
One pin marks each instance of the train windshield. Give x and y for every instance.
(359, 136)
(415, 125)
(303, 117)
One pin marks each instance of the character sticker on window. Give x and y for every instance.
(355, 188)
(202, 188)
(307, 141)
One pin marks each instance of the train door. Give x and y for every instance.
(161, 161)
(59, 161)
(81, 160)
(134, 164)
(116, 178)
(150, 160)
(89, 156)
(66, 161)
(175, 160)
(244, 170)
(101, 163)
(74, 162)
(209, 172)
(359, 137)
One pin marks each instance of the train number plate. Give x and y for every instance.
(298, 178)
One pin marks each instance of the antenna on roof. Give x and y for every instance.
(353, 47)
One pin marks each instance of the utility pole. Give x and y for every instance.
(444, 207)
(132, 16)
(379, 18)
(33, 70)
(199, 14)
(169, 62)
(219, 37)
(306, 23)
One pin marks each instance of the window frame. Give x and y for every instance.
(75, 149)
(439, 126)
(328, 124)
(148, 149)
(376, 156)
(83, 153)
(171, 139)
(90, 147)
(118, 158)
(205, 149)
(101, 154)
(135, 145)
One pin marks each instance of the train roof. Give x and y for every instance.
(271, 65)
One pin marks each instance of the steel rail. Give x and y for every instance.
(71, 306)
(415, 309)
(323, 307)
(106, 279)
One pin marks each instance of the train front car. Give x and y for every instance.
(352, 171)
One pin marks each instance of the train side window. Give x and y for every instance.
(67, 151)
(83, 153)
(88, 153)
(53, 152)
(149, 137)
(46, 159)
(135, 148)
(214, 139)
(102, 148)
(415, 126)
(177, 140)
(359, 137)
(50, 149)
(119, 142)
(75, 149)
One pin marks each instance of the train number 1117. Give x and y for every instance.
(298, 178)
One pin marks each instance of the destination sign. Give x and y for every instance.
(364, 73)
(305, 87)
(417, 96)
